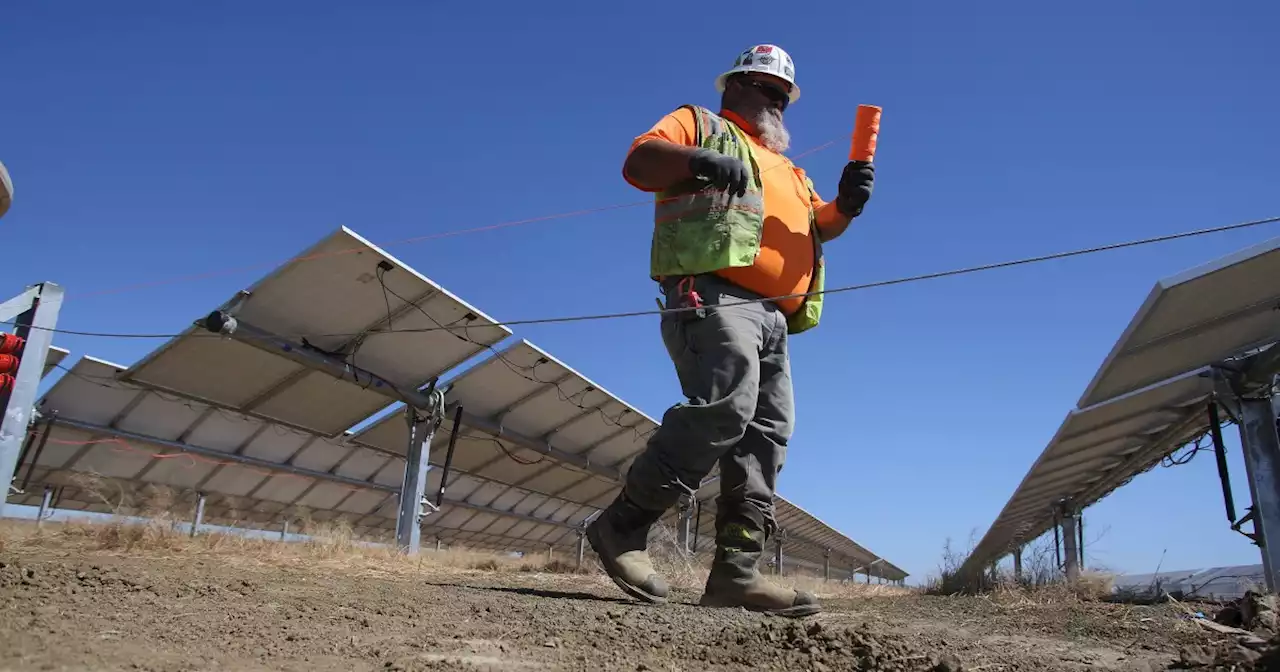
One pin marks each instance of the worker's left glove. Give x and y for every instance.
(855, 187)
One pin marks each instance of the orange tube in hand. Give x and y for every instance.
(866, 129)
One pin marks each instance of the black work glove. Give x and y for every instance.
(855, 187)
(722, 171)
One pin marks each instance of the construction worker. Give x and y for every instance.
(735, 221)
(6, 190)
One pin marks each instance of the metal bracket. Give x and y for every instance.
(1248, 518)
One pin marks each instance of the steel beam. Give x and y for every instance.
(35, 324)
(220, 322)
(228, 457)
(497, 431)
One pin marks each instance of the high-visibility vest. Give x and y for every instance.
(698, 230)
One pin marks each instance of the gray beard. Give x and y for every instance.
(773, 133)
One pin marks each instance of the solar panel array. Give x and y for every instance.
(1150, 396)
(267, 439)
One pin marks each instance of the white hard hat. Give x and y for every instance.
(6, 190)
(769, 59)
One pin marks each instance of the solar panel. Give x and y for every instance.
(259, 414)
(1097, 449)
(327, 478)
(53, 359)
(1194, 319)
(523, 389)
(333, 299)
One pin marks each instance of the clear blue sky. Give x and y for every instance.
(152, 140)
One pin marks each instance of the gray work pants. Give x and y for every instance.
(733, 368)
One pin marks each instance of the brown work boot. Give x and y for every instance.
(735, 580)
(620, 536)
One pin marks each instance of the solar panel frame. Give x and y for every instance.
(1083, 460)
(54, 359)
(1177, 330)
(91, 393)
(499, 390)
(330, 302)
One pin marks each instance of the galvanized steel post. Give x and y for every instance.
(44, 506)
(1070, 540)
(1017, 564)
(413, 488)
(35, 314)
(199, 518)
(685, 525)
(1261, 443)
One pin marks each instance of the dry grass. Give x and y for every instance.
(689, 573)
(156, 520)
(163, 530)
(1041, 581)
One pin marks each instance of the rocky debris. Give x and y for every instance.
(791, 645)
(1254, 612)
(1259, 612)
(1242, 654)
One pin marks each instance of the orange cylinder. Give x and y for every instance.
(866, 130)
(9, 364)
(11, 344)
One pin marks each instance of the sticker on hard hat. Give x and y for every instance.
(764, 49)
(765, 60)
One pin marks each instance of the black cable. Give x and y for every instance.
(515, 368)
(728, 304)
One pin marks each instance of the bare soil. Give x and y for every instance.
(79, 602)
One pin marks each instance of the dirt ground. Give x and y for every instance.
(77, 600)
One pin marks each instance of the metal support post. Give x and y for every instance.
(582, 548)
(199, 519)
(284, 530)
(826, 565)
(1070, 540)
(413, 489)
(35, 314)
(1261, 443)
(439, 545)
(777, 556)
(44, 506)
(1017, 564)
(550, 553)
(684, 526)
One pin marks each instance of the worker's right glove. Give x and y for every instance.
(722, 171)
